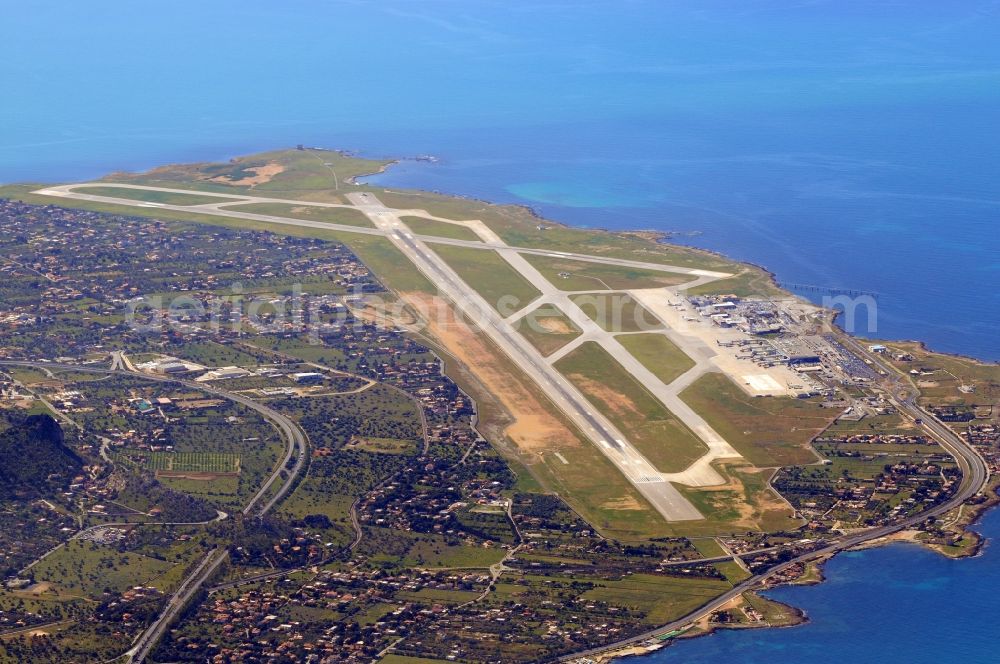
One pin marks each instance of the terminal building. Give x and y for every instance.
(800, 355)
(800, 359)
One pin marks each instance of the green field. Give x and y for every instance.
(387, 262)
(658, 354)
(214, 354)
(432, 595)
(222, 491)
(575, 275)
(87, 569)
(772, 431)
(383, 445)
(180, 462)
(28, 376)
(598, 491)
(422, 226)
(616, 312)
(332, 215)
(660, 598)
(434, 552)
(307, 174)
(425, 550)
(745, 503)
(310, 500)
(520, 227)
(655, 431)
(873, 424)
(402, 659)
(749, 282)
(708, 547)
(491, 276)
(547, 328)
(732, 571)
(150, 196)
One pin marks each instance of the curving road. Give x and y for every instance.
(297, 447)
(970, 462)
(144, 645)
(289, 430)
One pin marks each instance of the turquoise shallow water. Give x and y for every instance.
(845, 144)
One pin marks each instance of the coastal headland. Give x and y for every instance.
(696, 432)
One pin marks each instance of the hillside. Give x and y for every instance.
(34, 458)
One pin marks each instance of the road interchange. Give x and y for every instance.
(258, 505)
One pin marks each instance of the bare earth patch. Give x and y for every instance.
(200, 476)
(534, 428)
(750, 506)
(555, 325)
(767, 499)
(621, 405)
(623, 503)
(731, 495)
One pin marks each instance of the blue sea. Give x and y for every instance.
(849, 144)
(899, 603)
(845, 145)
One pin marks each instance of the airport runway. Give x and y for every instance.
(223, 210)
(653, 484)
(648, 481)
(700, 473)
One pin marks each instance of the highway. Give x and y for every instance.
(972, 465)
(288, 429)
(296, 449)
(144, 645)
(208, 565)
